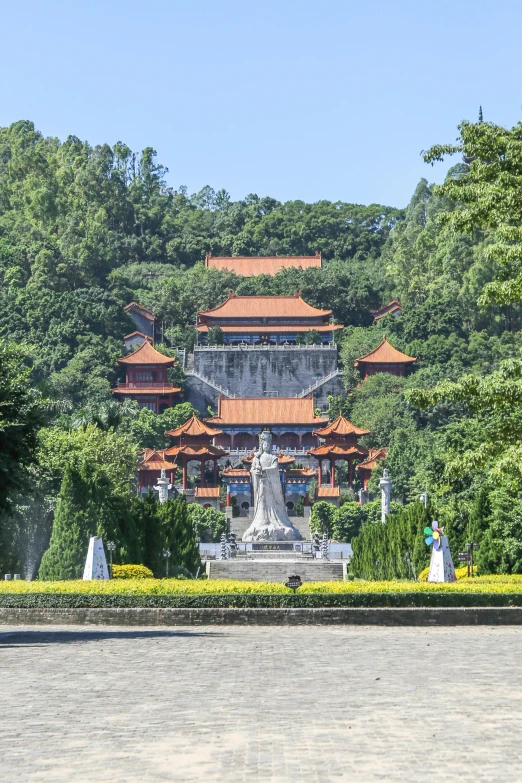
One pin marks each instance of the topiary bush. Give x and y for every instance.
(131, 572)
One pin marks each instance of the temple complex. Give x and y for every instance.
(384, 358)
(267, 320)
(146, 379)
(291, 420)
(249, 266)
(273, 345)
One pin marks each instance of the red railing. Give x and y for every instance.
(166, 387)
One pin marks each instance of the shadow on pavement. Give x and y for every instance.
(30, 638)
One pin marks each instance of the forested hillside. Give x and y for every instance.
(84, 230)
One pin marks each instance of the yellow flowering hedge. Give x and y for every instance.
(511, 584)
(131, 572)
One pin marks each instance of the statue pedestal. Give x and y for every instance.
(441, 563)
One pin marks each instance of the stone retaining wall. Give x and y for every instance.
(342, 616)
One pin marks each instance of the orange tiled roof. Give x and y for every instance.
(385, 354)
(147, 354)
(249, 266)
(146, 313)
(373, 458)
(132, 334)
(154, 460)
(235, 473)
(265, 307)
(391, 307)
(193, 428)
(261, 329)
(328, 492)
(282, 459)
(198, 452)
(207, 492)
(337, 450)
(266, 411)
(341, 426)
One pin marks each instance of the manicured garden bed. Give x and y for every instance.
(175, 593)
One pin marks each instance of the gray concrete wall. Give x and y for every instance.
(252, 373)
(274, 571)
(201, 395)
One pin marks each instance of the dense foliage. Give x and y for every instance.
(84, 230)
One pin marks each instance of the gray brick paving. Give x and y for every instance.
(261, 703)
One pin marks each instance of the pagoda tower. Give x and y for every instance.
(146, 379)
(384, 358)
(194, 443)
(340, 443)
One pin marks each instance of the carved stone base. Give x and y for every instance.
(272, 532)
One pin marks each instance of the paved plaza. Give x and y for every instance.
(259, 703)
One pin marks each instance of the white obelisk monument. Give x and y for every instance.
(95, 564)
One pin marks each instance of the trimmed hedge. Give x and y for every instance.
(256, 600)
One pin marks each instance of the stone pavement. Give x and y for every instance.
(261, 704)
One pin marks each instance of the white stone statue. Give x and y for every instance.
(163, 487)
(271, 522)
(95, 564)
(385, 485)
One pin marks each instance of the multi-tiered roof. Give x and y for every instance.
(266, 319)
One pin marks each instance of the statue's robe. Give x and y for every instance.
(271, 522)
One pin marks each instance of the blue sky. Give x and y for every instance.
(293, 99)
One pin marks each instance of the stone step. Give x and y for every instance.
(275, 571)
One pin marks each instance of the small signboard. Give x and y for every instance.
(294, 582)
(273, 546)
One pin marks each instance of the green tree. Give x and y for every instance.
(21, 414)
(180, 536)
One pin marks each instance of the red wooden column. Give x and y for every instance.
(320, 473)
(229, 499)
(202, 472)
(184, 472)
(350, 473)
(332, 472)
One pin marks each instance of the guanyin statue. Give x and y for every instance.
(271, 522)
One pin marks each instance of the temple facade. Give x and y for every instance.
(249, 266)
(267, 320)
(291, 420)
(146, 379)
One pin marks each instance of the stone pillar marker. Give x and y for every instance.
(385, 485)
(95, 564)
(163, 487)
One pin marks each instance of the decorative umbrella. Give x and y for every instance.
(433, 534)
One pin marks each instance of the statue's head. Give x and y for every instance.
(265, 441)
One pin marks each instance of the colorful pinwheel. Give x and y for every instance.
(433, 534)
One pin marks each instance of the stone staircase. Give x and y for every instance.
(275, 570)
(208, 381)
(318, 383)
